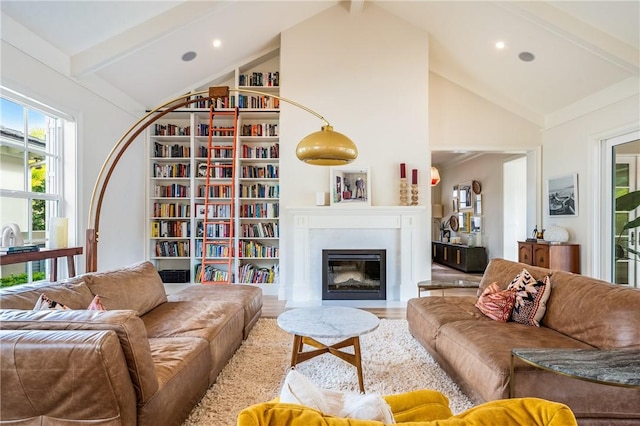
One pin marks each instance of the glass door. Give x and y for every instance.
(626, 244)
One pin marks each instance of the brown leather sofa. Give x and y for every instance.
(582, 312)
(147, 360)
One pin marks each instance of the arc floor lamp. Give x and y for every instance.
(325, 147)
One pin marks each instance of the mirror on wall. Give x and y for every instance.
(465, 195)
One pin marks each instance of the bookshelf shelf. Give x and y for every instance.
(177, 168)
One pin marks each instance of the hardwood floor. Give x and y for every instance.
(272, 307)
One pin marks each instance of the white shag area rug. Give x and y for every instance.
(392, 362)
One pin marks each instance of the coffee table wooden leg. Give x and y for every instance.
(297, 348)
(358, 362)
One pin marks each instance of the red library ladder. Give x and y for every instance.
(218, 249)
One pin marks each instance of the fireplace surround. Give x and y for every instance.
(400, 230)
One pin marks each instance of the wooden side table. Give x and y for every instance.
(53, 254)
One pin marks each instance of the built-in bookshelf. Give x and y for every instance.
(177, 183)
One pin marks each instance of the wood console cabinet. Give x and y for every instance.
(563, 257)
(463, 258)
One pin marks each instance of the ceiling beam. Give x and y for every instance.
(150, 31)
(577, 32)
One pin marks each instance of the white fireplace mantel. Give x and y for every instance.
(401, 231)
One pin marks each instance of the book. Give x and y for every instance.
(19, 249)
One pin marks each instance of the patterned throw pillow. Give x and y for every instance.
(96, 305)
(44, 303)
(531, 298)
(495, 303)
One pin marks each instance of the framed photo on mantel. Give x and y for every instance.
(350, 186)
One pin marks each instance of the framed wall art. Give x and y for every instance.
(562, 195)
(350, 186)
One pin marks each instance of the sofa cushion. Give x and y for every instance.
(247, 296)
(497, 304)
(219, 323)
(480, 351)
(128, 327)
(427, 314)
(72, 293)
(596, 312)
(137, 287)
(531, 298)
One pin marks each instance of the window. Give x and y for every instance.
(32, 139)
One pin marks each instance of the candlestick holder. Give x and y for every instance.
(414, 194)
(404, 198)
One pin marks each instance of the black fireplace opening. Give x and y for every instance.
(354, 274)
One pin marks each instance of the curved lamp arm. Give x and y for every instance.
(110, 163)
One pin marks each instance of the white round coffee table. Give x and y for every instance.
(331, 322)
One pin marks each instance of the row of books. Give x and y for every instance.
(250, 274)
(216, 152)
(172, 248)
(259, 129)
(209, 273)
(214, 230)
(171, 191)
(215, 191)
(272, 151)
(177, 170)
(260, 210)
(19, 249)
(260, 230)
(161, 150)
(171, 210)
(256, 249)
(171, 130)
(170, 229)
(213, 211)
(264, 79)
(269, 171)
(259, 190)
(213, 250)
(258, 102)
(216, 170)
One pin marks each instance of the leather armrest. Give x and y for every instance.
(49, 375)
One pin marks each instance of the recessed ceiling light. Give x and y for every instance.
(217, 43)
(189, 56)
(526, 56)
(500, 45)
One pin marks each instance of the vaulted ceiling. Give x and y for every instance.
(582, 50)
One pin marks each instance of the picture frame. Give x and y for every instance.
(465, 196)
(562, 196)
(350, 186)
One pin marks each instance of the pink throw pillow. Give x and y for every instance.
(96, 305)
(495, 303)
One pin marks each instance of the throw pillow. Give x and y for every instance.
(96, 305)
(495, 303)
(531, 298)
(44, 303)
(298, 389)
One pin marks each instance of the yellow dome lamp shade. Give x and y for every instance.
(326, 147)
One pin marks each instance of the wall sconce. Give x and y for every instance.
(435, 176)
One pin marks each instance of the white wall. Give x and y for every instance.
(462, 120)
(371, 85)
(100, 124)
(573, 147)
